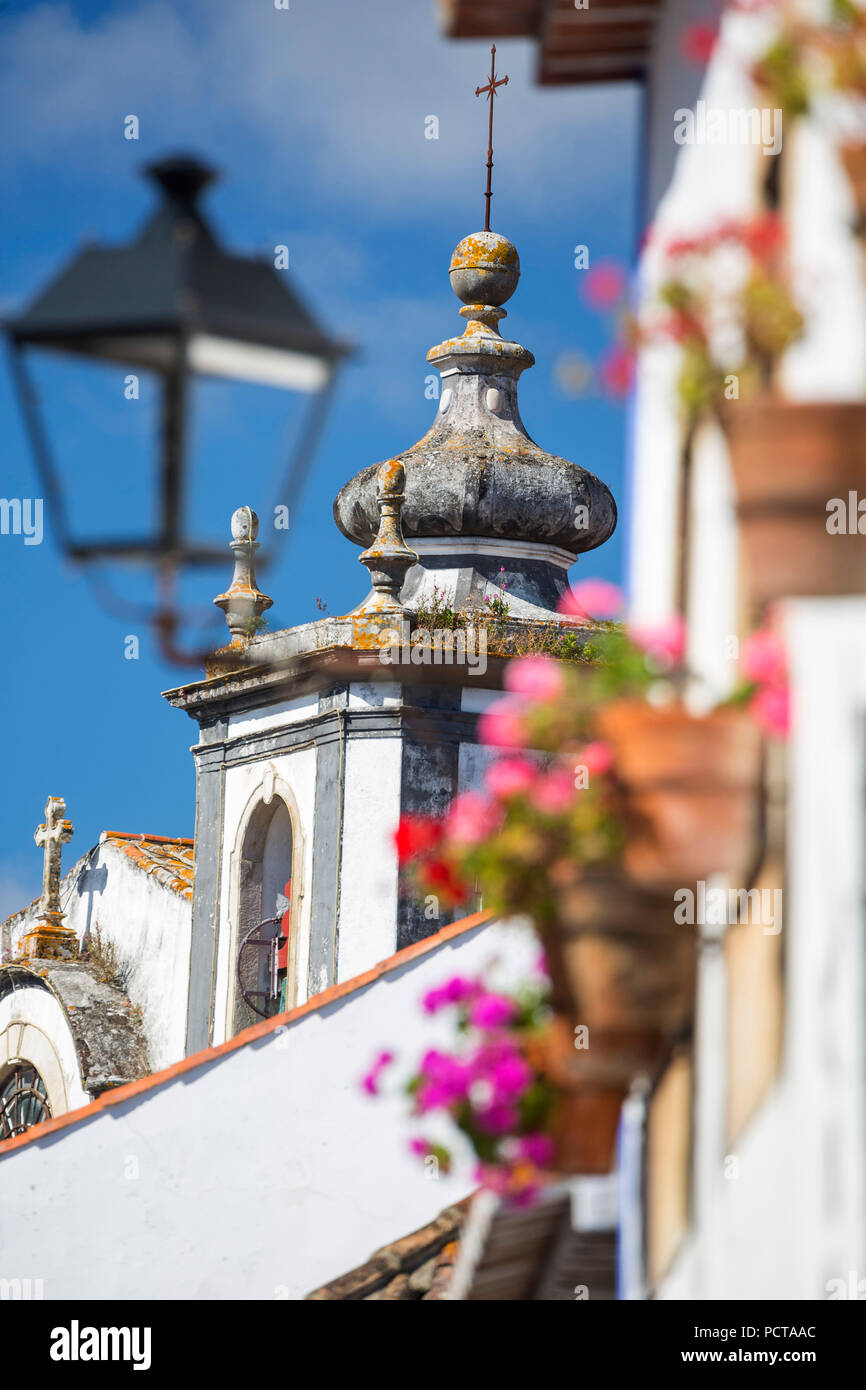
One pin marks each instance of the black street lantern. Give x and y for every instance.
(174, 302)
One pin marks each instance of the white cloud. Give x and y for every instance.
(335, 93)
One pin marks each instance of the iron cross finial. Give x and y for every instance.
(490, 90)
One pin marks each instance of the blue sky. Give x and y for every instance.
(316, 118)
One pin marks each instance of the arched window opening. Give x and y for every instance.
(264, 916)
(23, 1101)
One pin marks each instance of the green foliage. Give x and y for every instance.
(783, 75)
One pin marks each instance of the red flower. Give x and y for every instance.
(764, 236)
(682, 327)
(416, 835)
(697, 42)
(441, 876)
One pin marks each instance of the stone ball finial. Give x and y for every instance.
(485, 269)
(245, 524)
(243, 602)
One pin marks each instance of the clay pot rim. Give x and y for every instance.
(676, 711)
(773, 405)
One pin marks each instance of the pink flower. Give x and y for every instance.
(665, 643)
(616, 371)
(536, 1148)
(502, 725)
(592, 598)
(603, 286)
(472, 818)
(596, 757)
(492, 1011)
(492, 1176)
(535, 677)
(553, 793)
(764, 659)
(771, 706)
(420, 1147)
(510, 776)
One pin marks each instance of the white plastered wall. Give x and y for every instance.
(789, 1217)
(287, 1175)
(34, 1030)
(712, 183)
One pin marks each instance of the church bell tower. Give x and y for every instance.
(315, 740)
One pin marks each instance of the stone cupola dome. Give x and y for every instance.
(484, 502)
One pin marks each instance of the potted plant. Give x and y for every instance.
(490, 1086)
(627, 796)
(807, 62)
(726, 300)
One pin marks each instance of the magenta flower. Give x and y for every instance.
(665, 642)
(458, 988)
(472, 818)
(445, 1080)
(492, 1011)
(420, 1147)
(604, 285)
(504, 1069)
(535, 678)
(370, 1082)
(592, 598)
(502, 725)
(536, 1148)
(510, 776)
(454, 991)
(764, 659)
(771, 706)
(497, 1118)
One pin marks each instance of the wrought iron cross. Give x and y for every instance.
(51, 837)
(490, 91)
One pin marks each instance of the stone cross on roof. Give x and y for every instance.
(49, 937)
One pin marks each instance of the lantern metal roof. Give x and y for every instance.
(174, 292)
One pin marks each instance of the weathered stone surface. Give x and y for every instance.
(477, 476)
(472, 481)
(105, 1028)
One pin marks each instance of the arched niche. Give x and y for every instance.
(268, 859)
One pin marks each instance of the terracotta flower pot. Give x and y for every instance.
(623, 973)
(690, 789)
(789, 461)
(853, 156)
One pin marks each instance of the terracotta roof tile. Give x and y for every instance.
(411, 1269)
(171, 862)
(249, 1035)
